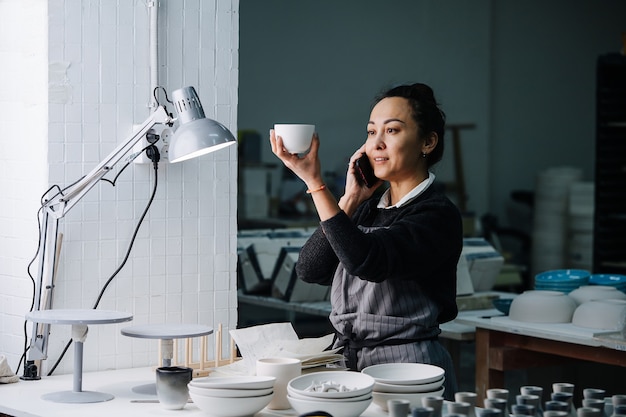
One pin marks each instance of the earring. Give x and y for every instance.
(424, 154)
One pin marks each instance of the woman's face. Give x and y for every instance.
(393, 144)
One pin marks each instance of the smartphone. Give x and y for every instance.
(365, 172)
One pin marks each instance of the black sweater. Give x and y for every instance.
(420, 241)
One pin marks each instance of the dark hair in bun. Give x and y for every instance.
(426, 113)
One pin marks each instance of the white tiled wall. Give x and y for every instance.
(182, 264)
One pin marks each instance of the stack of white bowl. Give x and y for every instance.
(580, 213)
(550, 217)
(407, 381)
(339, 393)
(232, 396)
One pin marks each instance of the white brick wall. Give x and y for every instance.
(182, 266)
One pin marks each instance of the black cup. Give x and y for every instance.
(171, 386)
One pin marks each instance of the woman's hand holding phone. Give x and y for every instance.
(365, 172)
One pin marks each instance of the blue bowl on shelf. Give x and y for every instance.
(503, 305)
(614, 280)
(564, 280)
(564, 276)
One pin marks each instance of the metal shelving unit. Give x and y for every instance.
(609, 243)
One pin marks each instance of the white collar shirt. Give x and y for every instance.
(384, 202)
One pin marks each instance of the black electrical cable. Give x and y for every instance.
(32, 304)
(153, 153)
(114, 180)
(42, 201)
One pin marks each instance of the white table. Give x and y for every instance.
(23, 399)
(78, 319)
(503, 344)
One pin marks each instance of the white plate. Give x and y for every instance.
(234, 382)
(404, 373)
(430, 386)
(230, 407)
(230, 393)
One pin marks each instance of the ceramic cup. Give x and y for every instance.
(284, 369)
(595, 393)
(618, 399)
(565, 397)
(498, 393)
(171, 386)
(398, 407)
(490, 412)
(594, 403)
(555, 413)
(467, 397)
(528, 399)
(563, 387)
(459, 408)
(619, 410)
(296, 137)
(434, 402)
(556, 405)
(531, 390)
(498, 403)
(588, 412)
(422, 412)
(523, 410)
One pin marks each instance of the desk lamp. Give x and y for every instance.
(195, 135)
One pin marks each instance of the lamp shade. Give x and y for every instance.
(196, 135)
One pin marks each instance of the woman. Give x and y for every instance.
(391, 260)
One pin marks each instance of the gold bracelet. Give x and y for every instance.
(321, 187)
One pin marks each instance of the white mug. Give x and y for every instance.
(296, 137)
(284, 369)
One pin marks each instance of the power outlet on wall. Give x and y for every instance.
(163, 133)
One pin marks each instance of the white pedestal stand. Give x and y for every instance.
(78, 319)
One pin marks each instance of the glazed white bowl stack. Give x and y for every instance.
(232, 396)
(550, 217)
(339, 393)
(542, 306)
(408, 381)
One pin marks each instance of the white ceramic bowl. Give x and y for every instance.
(238, 382)
(404, 373)
(415, 398)
(296, 137)
(538, 306)
(428, 387)
(601, 314)
(230, 407)
(596, 292)
(356, 383)
(230, 392)
(335, 408)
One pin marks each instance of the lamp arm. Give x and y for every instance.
(57, 207)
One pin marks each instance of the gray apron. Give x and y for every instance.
(387, 322)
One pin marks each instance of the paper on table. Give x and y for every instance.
(276, 340)
(305, 348)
